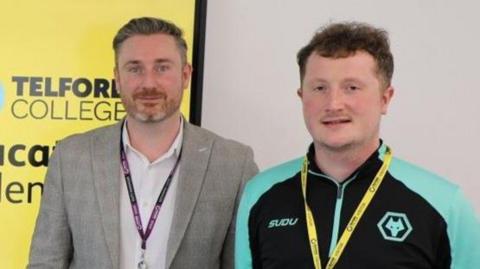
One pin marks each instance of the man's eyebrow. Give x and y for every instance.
(316, 80)
(163, 60)
(131, 62)
(353, 80)
(157, 61)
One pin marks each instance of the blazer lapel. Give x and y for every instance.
(106, 179)
(196, 151)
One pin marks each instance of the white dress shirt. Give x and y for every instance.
(148, 179)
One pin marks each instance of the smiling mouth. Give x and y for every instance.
(150, 97)
(335, 122)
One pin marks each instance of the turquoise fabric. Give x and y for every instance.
(254, 189)
(463, 225)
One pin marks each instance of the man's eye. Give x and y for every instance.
(134, 69)
(353, 88)
(319, 88)
(162, 68)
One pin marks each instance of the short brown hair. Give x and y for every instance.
(339, 40)
(150, 26)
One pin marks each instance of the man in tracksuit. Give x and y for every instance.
(348, 203)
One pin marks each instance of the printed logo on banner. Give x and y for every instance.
(2, 96)
(65, 98)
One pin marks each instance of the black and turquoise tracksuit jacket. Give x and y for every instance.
(416, 219)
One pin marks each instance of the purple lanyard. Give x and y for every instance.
(133, 198)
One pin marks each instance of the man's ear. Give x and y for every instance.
(387, 96)
(299, 92)
(116, 75)
(186, 75)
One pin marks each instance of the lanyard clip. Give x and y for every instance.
(142, 264)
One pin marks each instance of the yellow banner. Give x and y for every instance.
(56, 78)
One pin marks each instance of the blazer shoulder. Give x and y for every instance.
(77, 142)
(217, 140)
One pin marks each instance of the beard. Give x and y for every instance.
(151, 105)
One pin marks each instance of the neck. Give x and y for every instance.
(341, 163)
(153, 139)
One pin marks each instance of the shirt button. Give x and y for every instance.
(145, 204)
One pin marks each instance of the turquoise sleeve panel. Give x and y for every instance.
(254, 189)
(431, 187)
(463, 226)
(464, 233)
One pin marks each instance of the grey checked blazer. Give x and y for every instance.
(78, 223)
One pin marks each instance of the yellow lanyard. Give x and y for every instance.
(352, 224)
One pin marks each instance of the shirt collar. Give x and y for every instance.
(174, 149)
(366, 166)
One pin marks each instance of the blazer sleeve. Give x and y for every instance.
(51, 245)
(249, 170)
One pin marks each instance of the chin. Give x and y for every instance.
(335, 145)
(150, 118)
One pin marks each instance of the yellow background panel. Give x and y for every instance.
(54, 39)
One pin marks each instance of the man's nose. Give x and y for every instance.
(334, 99)
(149, 79)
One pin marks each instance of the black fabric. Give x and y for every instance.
(286, 246)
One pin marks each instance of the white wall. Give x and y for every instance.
(251, 77)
